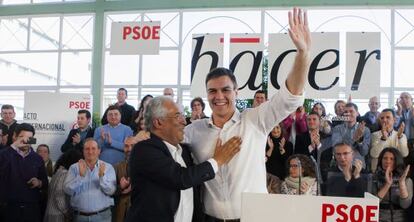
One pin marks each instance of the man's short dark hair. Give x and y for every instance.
(314, 113)
(7, 106)
(219, 72)
(86, 112)
(261, 92)
(389, 110)
(352, 105)
(24, 127)
(113, 107)
(126, 91)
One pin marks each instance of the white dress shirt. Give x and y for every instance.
(186, 206)
(246, 172)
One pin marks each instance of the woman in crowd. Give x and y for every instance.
(197, 110)
(140, 113)
(278, 151)
(306, 176)
(325, 127)
(295, 124)
(58, 205)
(392, 186)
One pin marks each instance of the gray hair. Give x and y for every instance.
(155, 109)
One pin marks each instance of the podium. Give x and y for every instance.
(303, 208)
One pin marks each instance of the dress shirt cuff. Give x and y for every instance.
(214, 164)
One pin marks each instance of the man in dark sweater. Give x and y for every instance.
(127, 111)
(77, 137)
(7, 124)
(23, 176)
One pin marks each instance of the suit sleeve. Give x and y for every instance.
(149, 161)
(68, 143)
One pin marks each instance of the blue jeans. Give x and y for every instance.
(105, 216)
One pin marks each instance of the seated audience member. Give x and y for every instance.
(126, 110)
(111, 137)
(259, 98)
(387, 137)
(339, 111)
(344, 180)
(278, 151)
(405, 114)
(273, 183)
(392, 186)
(139, 114)
(325, 126)
(197, 110)
(77, 137)
(90, 184)
(294, 124)
(7, 124)
(372, 116)
(353, 133)
(58, 207)
(312, 142)
(162, 172)
(301, 178)
(44, 152)
(23, 176)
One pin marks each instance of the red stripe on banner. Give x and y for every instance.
(221, 40)
(244, 40)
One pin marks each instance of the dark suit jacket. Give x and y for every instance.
(68, 143)
(157, 180)
(304, 140)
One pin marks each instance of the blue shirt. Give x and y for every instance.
(343, 133)
(90, 193)
(113, 153)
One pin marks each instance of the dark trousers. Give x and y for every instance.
(23, 213)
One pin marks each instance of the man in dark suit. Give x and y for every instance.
(77, 136)
(162, 172)
(312, 142)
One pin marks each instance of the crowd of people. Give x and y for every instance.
(155, 164)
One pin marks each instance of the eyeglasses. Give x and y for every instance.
(177, 116)
(342, 154)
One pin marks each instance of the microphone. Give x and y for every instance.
(300, 174)
(318, 176)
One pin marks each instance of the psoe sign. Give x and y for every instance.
(132, 38)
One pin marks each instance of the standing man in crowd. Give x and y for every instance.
(7, 124)
(370, 118)
(23, 175)
(339, 111)
(353, 133)
(387, 137)
(111, 137)
(222, 199)
(90, 184)
(405, 113)
(259, 98)
(127, 111)
(77, 137)
(162, 171)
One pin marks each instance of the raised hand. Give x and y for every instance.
(358, 168)
(124, 183)
(101, 169)
(82, 167)
(401, 130)
(224, 153)
(388, 176)
(76, 138)
(34, 183)
(282, 145)
(299, 30)
(404, 175)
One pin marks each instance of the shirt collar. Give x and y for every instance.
(173, 149)
(234, 118)
(21, 153)
(109, 125)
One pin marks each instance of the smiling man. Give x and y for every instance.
(247, 171)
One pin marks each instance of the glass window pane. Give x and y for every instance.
(403, 68)
(15, 2)
(404, 20)
(160, 69)
(44, 33)
(75, 90)
(77, 32)
(28, 69)
(121, 69)
(13, 34)
(76, 68)
(169, 35)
